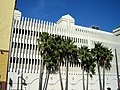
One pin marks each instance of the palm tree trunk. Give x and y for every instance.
(83, 80)
(87, 81)
(46, 83)
(40, 75)
(45, 80)
(61, 83)
(66, 87)
(99, 75)
(104, 77)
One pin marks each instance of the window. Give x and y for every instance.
(29, 61)
(33, 47)
(27, 46)
(19, 31)
(18, 45)
(12, 44)
(21, 45)
(17, 60)
(25, 32)
(20, 60)
(10, 59)
(78, 40)
(26, 61)
(36, 47)
(22, 31)
(14, 30)
(28, 32)
(15, 44)
(38, 61)
(37, 34)
(23, 60)
(14, 60)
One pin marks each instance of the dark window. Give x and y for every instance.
(29, 61)
(40, 33)
(19, 31)
(21, 45)
(20, 60)
(33, 47)
(23, 60)
(26, 61)
(30, 46)
(10, 59)
(25, 32)
(12, 44)
(15, 44)
(27, 46)
(37, 34)
(18, 45)
(38, 61)
(14, 60)
(36, 47)
(17, 60)
(22, 31)
(76, 39)
(14, 30)
(28, 32)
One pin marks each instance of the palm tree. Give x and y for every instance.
(51, 67)
(71, 56)
(97, 53)
(60, 51)
(87, 63)
(90, 69)
(105, 63)
(103, 57)
(44, 45)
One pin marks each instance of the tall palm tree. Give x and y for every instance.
(60, 51)
(103, 57)
(44, 45)
(97, 53)
(51, 67)
(90, 69)
(71, 56)
(106, 62)
(87, 63)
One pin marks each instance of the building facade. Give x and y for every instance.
(24, 58)
(6, 15)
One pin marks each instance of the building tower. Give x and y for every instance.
(6, 14)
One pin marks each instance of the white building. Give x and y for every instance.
(24, 53)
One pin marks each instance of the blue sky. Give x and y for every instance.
(102, 13)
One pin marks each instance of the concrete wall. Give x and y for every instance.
(6, 14)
